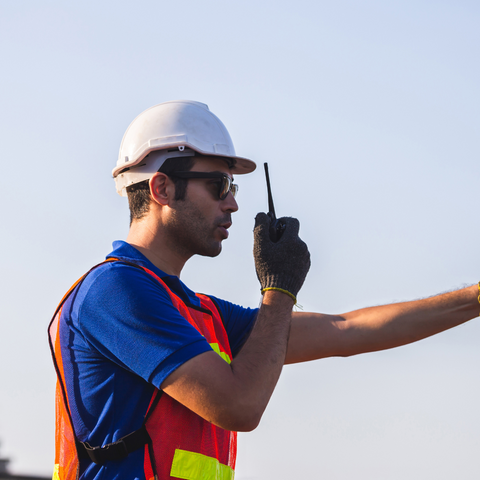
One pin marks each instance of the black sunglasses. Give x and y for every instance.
(226, 184)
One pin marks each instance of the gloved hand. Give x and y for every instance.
(282, 265)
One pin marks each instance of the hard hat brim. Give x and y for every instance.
(242, 165)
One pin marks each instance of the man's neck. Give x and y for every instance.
(149, 241)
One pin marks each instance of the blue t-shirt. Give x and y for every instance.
(120, 338)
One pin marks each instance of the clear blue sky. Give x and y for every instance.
(368, 114)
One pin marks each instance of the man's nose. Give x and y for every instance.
(229, 204)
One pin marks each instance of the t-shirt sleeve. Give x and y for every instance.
(238, 322)
(128, 317)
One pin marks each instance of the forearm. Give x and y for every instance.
(257, 367)
(378, 328)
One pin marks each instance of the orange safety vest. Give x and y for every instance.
(178, 443)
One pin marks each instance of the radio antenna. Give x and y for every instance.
(271, 208)
(277, 227)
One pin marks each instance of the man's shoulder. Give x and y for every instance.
(116, 271)
(115, 282)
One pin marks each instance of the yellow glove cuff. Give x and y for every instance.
(294, 298)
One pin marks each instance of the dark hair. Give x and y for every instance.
(139, 194)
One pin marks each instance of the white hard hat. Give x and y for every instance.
(172, 129)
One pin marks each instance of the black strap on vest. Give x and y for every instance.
(114, 451)
(122, 448)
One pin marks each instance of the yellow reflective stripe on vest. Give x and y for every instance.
(55, 475)
(195, 466)
(216, 348)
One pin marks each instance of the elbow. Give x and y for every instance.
(240, 419)
(248, 413)
(242, 425)
(248, 424)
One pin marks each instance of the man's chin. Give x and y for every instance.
(212, 251)
(217, 251)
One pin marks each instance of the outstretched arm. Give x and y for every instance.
(315, 335)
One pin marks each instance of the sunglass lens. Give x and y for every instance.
(226, 187)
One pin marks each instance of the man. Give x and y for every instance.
(156, 379)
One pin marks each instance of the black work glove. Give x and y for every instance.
(282, 265)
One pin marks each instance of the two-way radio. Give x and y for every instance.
(277, 227)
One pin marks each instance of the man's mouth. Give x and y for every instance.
(224, 228)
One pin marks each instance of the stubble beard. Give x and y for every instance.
(191, 233)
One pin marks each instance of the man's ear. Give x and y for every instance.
(162, 188)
